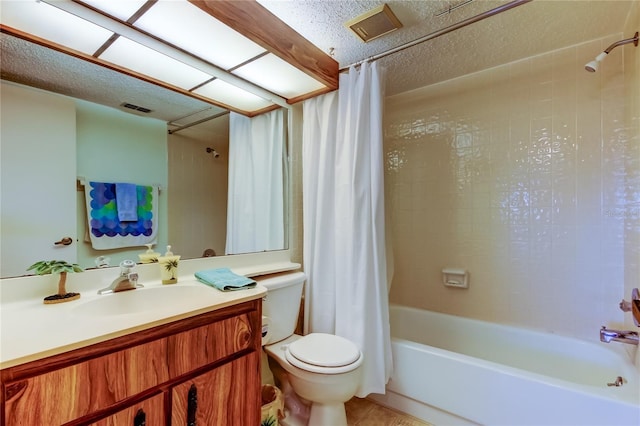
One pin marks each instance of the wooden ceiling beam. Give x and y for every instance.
(258, 24)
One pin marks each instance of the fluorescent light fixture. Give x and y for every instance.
(278, 76)
(143, 60)
(232, 95)
(50, 23)
(173, 42)
(198, 33)
(120, 9)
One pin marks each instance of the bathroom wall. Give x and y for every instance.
(528, 176)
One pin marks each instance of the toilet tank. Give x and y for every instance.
(281, 305)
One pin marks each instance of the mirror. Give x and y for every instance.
(115, 145)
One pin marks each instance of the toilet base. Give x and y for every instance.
(327, 414)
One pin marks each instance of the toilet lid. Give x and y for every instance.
(324, 350)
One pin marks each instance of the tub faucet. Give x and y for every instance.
(608, 335)
(126, 281)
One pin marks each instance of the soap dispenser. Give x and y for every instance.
(149, 256)
(169, 267)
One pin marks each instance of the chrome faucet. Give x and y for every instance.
(608, 335)
(126, 281)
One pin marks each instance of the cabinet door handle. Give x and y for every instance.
(192, 405)
(140, 419)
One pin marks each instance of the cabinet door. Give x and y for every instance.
(149, 412)
(85, 387)
(227, 395)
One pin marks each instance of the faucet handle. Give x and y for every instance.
(133, 278)
(126, 266)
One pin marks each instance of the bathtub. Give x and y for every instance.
(455, 371)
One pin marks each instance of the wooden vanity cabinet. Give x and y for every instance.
(203, 370)
(217, 397)
(149, 412)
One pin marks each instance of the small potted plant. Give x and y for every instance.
(57, 267)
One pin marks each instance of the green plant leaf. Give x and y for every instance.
(54, 267)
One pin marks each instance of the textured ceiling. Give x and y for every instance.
(33, 65)
(533, 28)
(527, 30)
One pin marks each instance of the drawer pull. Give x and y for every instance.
(192, 405)
(140, 419)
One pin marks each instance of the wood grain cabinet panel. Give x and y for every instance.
(101, 383)
(227, 395)
(204, 345)
(149, 412)
(65, 394)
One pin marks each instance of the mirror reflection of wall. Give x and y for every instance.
(37, 174)
(114, 146)
(104, 144)
(198, 181)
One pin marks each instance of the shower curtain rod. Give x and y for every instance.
(443, 31)
(186, 126)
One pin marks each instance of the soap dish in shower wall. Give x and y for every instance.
(455, 277)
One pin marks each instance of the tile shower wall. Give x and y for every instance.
(526, 175)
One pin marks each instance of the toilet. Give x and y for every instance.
(321, 368)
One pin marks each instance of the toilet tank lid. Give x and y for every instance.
(283, 280)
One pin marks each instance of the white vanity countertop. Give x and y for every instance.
(31, 330)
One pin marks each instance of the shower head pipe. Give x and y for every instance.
(593, 65)
(633, 40)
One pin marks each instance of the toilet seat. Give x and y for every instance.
(324, 353)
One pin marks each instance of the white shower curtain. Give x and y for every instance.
(344, 233)
(255, 204)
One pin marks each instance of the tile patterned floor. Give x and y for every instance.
(362, 412)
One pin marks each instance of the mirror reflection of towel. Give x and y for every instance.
(105, 229)
(127, 202)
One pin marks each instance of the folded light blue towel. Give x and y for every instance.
(127, 202)
(225, 280)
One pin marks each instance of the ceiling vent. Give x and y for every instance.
(375, 23)
(136, 107)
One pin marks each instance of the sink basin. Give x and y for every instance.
(144, 300)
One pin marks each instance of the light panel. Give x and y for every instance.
(146, 61)
(50, 23)
(120, 9)
(198, 33)
(232, 95)
(278, 76)
(173, 41)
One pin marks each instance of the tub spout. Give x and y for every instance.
(608, 335)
